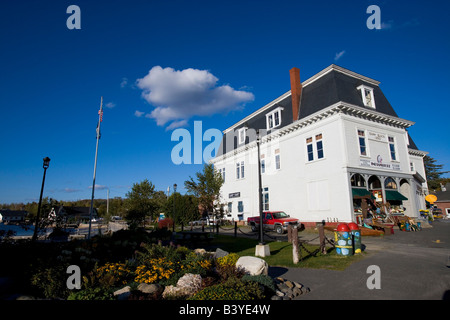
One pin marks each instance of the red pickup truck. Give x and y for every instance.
(277, 221)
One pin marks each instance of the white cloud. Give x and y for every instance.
(387, 25)
(177, 124)
(138, 113)
(99, 187)
(179, 95)
(391, 25)
(110, 105)
(124, 82)
(339, 55)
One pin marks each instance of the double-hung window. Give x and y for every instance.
(265, 199)
(240, 170)
(392, 148)
(314, 147)
(362, 143)
(222, 173)
(277, 159)
(367, 96)
(319, 145)
(241, 135)
(273, 118)
(309, 148)
(240, 206)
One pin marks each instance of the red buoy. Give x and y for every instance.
(353, 226)
(343, 227)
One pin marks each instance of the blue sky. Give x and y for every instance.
(238, 52)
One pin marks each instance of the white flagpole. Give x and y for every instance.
(100, 114)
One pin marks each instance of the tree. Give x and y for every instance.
(141, 203)
(182, 208)
(207, 187)
(434, 173)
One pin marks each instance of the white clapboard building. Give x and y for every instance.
(329, 143)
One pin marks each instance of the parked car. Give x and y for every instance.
(200, 222)
(277, 221)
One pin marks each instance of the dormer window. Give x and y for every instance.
(241, 135)
(273, 118)
(367, 96)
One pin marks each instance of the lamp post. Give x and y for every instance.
(36, 225)
(262, 249)
(174, 191)
(260, 198)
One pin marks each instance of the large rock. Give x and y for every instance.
(220, 253)
(191, 282)
(153, 288)
(253, 265)
(187, 285)
(123, 293)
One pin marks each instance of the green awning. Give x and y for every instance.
(394, 195)
(362, 193)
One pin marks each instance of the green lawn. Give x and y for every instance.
(281, 253)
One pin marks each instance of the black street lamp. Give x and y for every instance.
(260, 198)
(174, 191)
(36, 225)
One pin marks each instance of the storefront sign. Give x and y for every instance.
(379, 164)
(381, 137)
(234, 195)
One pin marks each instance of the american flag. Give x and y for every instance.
(100, 113)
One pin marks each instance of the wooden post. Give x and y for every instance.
(289, 233)
(217, 228)
(235, 229)
(203, 226)
(294, 235)
(323, 250)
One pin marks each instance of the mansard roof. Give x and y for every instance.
(332, 86)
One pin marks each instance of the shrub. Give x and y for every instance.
(154, 270)
(226, 267)
(228, 260)
(114, 274)
(262, 279)
(52, 281)
(233, 289)
(165, 223)
(97, 293)
(154, 251)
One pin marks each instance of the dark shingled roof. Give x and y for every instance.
(336, 86)
(330, 88)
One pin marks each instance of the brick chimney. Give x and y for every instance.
(296, 91)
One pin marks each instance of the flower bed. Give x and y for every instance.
(174, 269)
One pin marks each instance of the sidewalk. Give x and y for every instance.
(413, 265)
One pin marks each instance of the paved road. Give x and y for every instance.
(413, 265)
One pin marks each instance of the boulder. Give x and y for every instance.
(220, 253)
(187, 285)
(151, 288)
(252, 265)
(123, 294)
(191, 282)
(200, 251)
